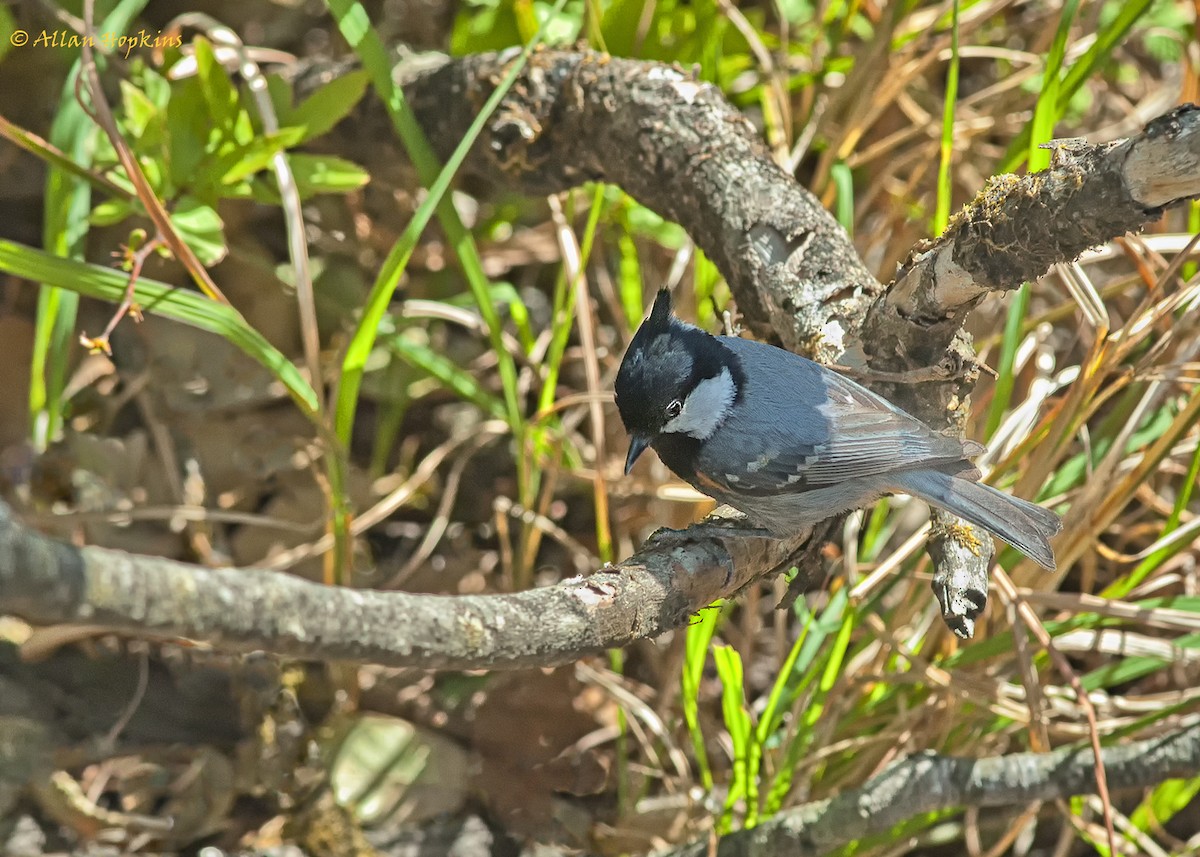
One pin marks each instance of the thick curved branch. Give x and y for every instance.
(47, 581)
(928, 782)
(676, 144)
(680, 148)
(1018, 227)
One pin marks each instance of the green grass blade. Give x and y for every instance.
(1120, 671)
(1122, 587)
(699, 635)
(189, 307)
(843, 179)
(837, 617)
(64, 233)
(54, 157)
(737, 723)
(1193, 226)
(356, 28)
(1165, 801)
(1049, 108)
(786, 688)
(629, 277)
(941, 215)
(563, 321)
(1002, 393)
(420, 356)
(1047, 111)
(1101, 50)
(877, 529)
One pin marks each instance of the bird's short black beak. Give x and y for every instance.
(637, 445)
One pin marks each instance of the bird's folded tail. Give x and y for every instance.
(1022, 524)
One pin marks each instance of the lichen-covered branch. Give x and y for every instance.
(678, 146)
(928, 782)
(1017, 227)
(46, 581)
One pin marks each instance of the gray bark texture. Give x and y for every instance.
(927, 782)
(46, 581)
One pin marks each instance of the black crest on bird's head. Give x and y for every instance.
(666, 359)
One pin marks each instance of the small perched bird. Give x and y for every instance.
(790, 443)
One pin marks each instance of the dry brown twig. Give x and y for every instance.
(89, 82)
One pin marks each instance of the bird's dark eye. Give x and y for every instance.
(674, 408)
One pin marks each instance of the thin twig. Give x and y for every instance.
(135, 259)
(101, 113)
(289, 193)
(573, 262)
(1009, 592)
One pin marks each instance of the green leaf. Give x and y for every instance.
(244, 129)
(189, 132)
(220, 97)
(279, 90)
(139, 114)
(113, 211)
(153, 85)
(200, 226)
(246, 160)
(157, 298)
(326, 174)
(326, 107)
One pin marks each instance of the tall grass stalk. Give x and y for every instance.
(945, 187)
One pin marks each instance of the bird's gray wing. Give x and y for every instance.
(800, 426)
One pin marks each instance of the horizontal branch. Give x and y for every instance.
(928, 782)
(1017, 227)
(48, 581)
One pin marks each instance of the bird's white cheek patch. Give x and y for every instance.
(705, 408)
